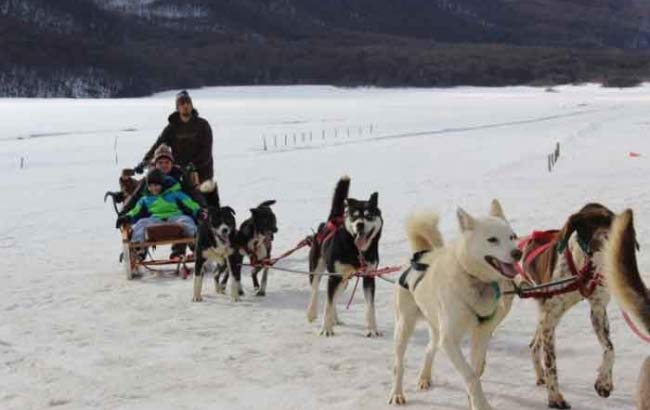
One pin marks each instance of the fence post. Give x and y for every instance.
(265, 147)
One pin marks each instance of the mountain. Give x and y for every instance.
(99, 48)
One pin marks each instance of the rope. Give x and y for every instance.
(634, 328)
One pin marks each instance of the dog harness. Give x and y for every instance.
(417, 266)
(497, 296)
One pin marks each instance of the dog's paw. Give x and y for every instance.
(260, 293)
(541, 382)
(397, 399)
(311, 316)
(327, 332)
(374, 333)
(197, 299)
(339, 322)
(424, 384)
(558, 403)
(221, 290)
(604, 388)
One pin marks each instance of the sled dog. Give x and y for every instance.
(456, 289)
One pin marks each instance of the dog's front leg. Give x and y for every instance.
(333, 285)
(314, 279)
(234, 262)
(369, 294)
(604, 384)
(222, 269)
(198, 279)
(262, 290)
(480, 338)
(256, 283)
(451, 337)
(551, 315)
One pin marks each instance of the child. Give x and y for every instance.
(161, 204)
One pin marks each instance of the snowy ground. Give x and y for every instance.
(74, 334)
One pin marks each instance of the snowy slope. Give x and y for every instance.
(75, 334)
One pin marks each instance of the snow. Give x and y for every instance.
(75, 334)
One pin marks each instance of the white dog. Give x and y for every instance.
(456, 289)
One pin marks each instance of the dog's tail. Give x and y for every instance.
(338, 201)
(622, 273)
(423, 233)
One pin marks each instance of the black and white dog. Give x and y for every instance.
(255, 240)
(346, 244)
(216, 243)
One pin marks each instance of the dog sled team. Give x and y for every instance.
(459, 288)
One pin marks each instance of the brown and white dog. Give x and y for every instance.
(628, 289)
(583, 236)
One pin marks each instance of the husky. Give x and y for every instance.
(577, 246)
(216, 245)
(627, 287)
(456, 289)
(345, 245)
(255, 240)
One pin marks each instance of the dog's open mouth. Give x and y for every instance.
(223, 239)
(509, 270)
(362, 241)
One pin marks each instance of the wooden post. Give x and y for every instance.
(275, 141)
(265, 147)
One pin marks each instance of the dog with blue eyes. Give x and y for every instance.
(348, 243)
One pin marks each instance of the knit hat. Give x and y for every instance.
(155, 176)
(163, 151)
(183, 95)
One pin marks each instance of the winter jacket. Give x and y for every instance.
(179, 176)
(171, 202)
(191, 142)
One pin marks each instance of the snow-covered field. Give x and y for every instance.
(74, 334)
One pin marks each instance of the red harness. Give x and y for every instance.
(329, 229)
(587, 279)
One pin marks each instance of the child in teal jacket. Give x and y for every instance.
(164, 202)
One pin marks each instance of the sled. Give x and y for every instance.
(158, 235)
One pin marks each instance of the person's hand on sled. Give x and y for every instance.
(122, 220)
(139, 169)
(202, 215)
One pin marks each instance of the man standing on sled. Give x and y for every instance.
(190, 139)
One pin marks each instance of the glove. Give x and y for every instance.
(121, 220)
(139, 169)
(202, 214)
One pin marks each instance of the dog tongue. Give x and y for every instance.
(360, 241)
(508, 269)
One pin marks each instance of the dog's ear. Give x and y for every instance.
(267, 203)
(465, 220)
(374, 199)
(496, 210)
(350, 203)
(228, 210)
